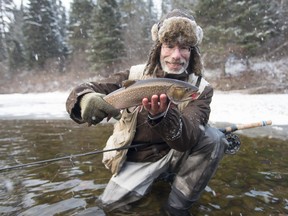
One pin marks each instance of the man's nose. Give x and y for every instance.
(176, 52)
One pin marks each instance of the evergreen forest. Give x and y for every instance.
(104, 36)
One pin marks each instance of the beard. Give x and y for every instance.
(180, 66)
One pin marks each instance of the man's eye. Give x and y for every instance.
(186, 48)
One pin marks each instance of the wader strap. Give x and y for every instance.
(198, 81)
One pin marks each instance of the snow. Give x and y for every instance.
(233, 108)
(246, 108)
(33, 106)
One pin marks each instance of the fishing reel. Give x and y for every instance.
(233, 143)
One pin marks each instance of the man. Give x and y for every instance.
(180, 146)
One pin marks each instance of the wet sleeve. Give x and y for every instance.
(182, 130)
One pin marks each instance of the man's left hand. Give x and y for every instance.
(156, 105)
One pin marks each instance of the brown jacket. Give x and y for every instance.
(178, 130)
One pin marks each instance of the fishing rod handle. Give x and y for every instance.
(246, 126)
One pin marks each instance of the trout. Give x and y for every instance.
(132, 92)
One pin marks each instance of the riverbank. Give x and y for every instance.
(227, 109)
(256, 76)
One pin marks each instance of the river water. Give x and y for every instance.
(252, 182)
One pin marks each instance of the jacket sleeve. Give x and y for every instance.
(182, 130)
(104, 86)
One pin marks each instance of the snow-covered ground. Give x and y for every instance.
(245, 108)
(33, 106)
(226, 107)
(233, 108)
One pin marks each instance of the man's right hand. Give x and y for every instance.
(156, 105)
(94, 108)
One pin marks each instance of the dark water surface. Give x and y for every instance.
(252, 182)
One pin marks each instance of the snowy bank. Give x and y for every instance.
(226, 107)
(33, 106)
(233, 108)
(245, 108)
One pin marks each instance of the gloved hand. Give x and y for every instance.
(94, 108)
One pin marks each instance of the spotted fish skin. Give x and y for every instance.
(132, 95)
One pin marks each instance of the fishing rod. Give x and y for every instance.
(235, 127)
(234, 145)
(233, 140)
(70, 157)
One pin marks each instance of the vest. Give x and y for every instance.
(124, 129)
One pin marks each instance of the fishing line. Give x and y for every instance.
(226, 131)
(71, 157)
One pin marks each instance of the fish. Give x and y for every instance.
(133, 91)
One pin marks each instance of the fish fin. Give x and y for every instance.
(127, 83)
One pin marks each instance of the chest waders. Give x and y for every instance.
(192, 169)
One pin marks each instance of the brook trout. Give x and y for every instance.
(177, 91)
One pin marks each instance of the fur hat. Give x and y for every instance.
(177, 26)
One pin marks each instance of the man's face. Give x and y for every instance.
(174, 58)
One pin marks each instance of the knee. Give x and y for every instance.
(213, 135)
(216, 141)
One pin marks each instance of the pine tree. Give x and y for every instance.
(168, 5)
(283, 18)
(2, 33)
(106, 47)
(137, 20)
(62, 19)
(6, 6)
(80, 24)
(61, 30)
(246, 23)
(42, 33)
(15, 42)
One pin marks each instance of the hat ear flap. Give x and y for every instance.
(154, 32)
(195, 64)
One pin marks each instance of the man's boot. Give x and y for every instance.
(177, 204)
(170, 211)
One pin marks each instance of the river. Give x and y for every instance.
(252, 182)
